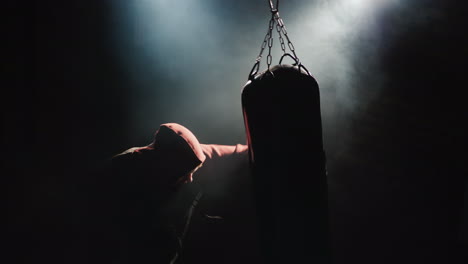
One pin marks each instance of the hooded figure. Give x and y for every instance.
(165, 163)
(150, 193)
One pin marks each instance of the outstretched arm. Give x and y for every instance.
(214, 151)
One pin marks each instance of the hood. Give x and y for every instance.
(175, 139)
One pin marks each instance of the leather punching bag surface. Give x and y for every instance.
(282, 118)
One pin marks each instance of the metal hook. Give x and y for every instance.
(296, 60)
(305, 69)
(254, 70)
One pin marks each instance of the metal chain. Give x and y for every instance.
(270, 40)
(277, 21)
(281, 40)
(281, 29)
(280, 23)
(272, 7)
(262, 48)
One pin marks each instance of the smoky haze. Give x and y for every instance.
(189, 60)
(107, 73)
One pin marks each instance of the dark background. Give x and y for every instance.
(79, 89)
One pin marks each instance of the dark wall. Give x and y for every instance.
(396, 190)
(64, 114)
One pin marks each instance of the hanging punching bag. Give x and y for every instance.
(282, 117)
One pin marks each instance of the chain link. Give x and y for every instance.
(281, 40)
(277, 21)
(281, 29)
(262, 48)
(280, 23)
(272, 7)
(270, 40)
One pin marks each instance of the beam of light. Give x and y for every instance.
(190, 59)
(339, 42)
(330, 35)
(180, 57)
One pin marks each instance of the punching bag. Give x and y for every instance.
(282, 118)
